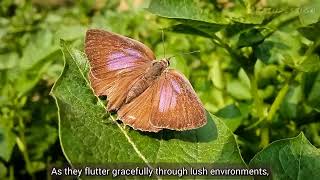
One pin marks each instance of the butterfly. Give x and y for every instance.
(146, 94)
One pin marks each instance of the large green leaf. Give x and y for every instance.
(293, 158)
(89, 136)
(185, 10)
(196, 19)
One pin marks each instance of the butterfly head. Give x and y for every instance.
(165, 62)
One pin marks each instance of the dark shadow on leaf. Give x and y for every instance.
(263, 51)
(206, 133)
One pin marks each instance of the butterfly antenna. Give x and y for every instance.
(182, 53)
(162, 36)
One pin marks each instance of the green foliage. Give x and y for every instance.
(258, 71)
(87, 136)
(300, 159)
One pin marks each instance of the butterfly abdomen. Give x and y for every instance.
(146, 80)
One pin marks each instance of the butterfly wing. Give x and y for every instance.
(175, 104)
(170, 103)
(116, 63)
(137, 113)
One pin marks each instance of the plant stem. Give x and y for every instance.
(264, 137)
(23, 147)
(273, 109)
(277, 102)
(258, 103)
(11, 173)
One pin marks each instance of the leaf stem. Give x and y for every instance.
(264, 137)
(258, 103)
(278, 101)
(273, 109)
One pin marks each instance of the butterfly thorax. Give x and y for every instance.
(151, 74)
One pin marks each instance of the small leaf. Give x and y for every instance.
(309, 64)
(231, 116)
(311, 86)
(292, 158)
(250, 37)
(87, 139)
(239, 90)
(7, 142)
(3, 170)
(311, 32)
(290, 104)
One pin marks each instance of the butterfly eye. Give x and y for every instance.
(168, 61)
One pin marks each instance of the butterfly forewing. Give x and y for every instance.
(175, 104)
(116, 63)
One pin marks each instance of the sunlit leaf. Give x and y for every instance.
(292, 158)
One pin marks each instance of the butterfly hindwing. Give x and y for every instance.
(137, 113)
(175, 104)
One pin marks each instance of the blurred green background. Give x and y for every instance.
(31, 61)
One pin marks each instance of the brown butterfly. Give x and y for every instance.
(145, 93)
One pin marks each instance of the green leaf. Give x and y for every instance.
(43, 40)
(186, 29)
(311, 86)
(292, 158)
(7, 142)
(231, 116)
(89, 136)
(239, 90)
(190, 13)
(290, 104)
(39, 139)
(234, 115)
(8, 60)
(309, 64)
(27, 71)
(280, 46)
(251, 37)
(310, 13)
(311, 32)
(185, 10)
(70, 33)
(3, 170)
